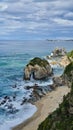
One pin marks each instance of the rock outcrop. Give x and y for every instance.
(64, 61)
(60, 57)
(58, 81)
(38, 69)
(58, 52)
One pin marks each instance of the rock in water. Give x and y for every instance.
(59, 52)
(38, 69)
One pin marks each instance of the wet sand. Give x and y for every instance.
(45, 106)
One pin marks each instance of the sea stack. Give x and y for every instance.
(37, 68)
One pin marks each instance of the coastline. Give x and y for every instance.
(45, 106)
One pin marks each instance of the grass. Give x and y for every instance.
(70, 54)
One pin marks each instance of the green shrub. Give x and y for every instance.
(38, 61)
(68, 69)
(70, 54)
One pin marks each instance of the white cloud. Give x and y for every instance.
(69, 14)
(31, 15)
(3, 6)
(63, 22)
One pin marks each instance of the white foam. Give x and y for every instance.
(22, 115)
(49, 82)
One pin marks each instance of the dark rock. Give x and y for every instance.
(58, 81)
(24, 101)
(13, 110)
(10, 106)
(53, 87)
(14, 96)
(6, 97)
(15, 86)
(59, 52)
(3, 102)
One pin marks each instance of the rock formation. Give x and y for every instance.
(64, 61)
(58, 52)
(58, 81)
(38, 69)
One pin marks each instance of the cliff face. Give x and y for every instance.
(68, 74)
(62, 118)
(38, 69)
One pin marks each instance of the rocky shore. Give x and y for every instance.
(41, 69)
(43, 96)
(45, 106)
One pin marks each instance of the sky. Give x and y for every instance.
(36, 19)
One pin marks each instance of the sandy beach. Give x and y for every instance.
(45, 106)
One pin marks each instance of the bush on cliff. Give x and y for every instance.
(62, 117)
(69, 69)
(70, 54)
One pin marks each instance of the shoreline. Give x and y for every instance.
(45, 106)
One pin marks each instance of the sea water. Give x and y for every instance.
(14, 55)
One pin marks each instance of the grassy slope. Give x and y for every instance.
(70, 54)
(62, 118)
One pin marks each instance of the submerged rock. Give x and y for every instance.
(24, 101)
(38, 69)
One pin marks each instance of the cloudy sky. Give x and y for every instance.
(36, 19)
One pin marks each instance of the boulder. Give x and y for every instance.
(59, 52)
(38, 69)
(58, 81)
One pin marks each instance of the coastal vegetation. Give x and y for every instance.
(69, 70)
(70, 54)
(38, 61)
(62, 117)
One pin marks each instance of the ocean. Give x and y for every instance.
(14, 55)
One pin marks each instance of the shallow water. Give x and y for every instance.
(14, 55)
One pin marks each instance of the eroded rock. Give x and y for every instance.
(59, 52)
(38, 69)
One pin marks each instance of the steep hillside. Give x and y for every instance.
(62, 118)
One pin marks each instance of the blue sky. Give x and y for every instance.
(36, 19)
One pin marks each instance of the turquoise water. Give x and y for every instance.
(14, 55)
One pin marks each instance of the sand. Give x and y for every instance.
(45, 106)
